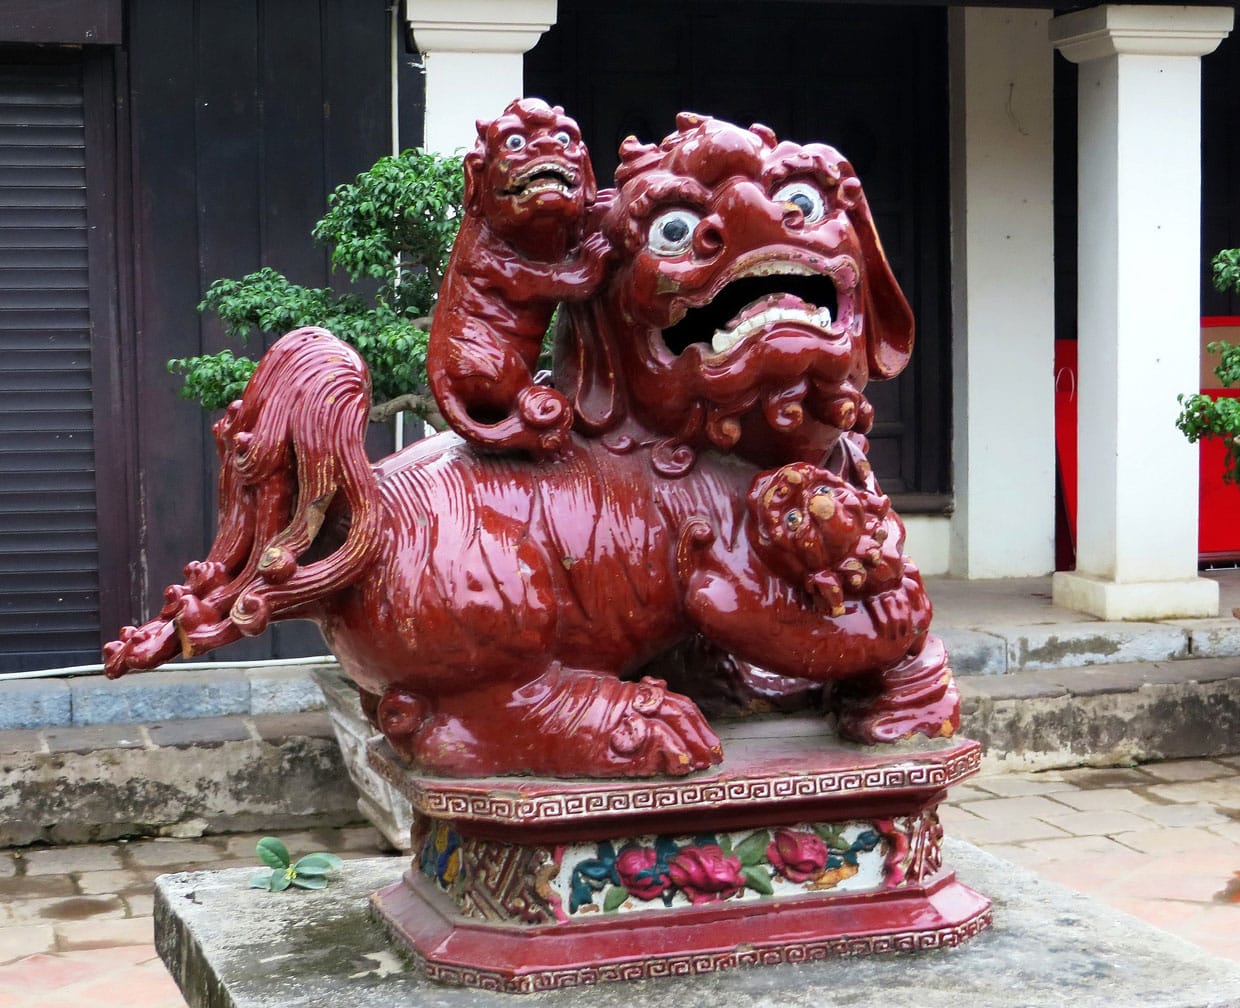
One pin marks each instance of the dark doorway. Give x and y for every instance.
(872, 81)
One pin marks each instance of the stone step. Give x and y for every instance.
(175, 778)
(1104, 715)
(1002, 649)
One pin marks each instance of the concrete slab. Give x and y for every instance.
(165, 695)
(974, 652)
(232, 947)
(32, 703)
(185, 778)
(1104, 716)
(1033, 648)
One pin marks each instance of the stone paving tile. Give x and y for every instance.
(174, 855)
(1096, 823)
(1169, 915)
(147, 984)
(365, 840)
(1091, 777)
(985, 833)
(1228, 831)
(76, 858)
(122, 881)
(1162, 842)
(45, 972)
(121, 977)
(1183, 815)
(1222, 792)
(957, 821)
(1008, 809)
(1187, 770)
(98, 934)
(52, 911)
(1171, 878)
(1042, 853)
(1214, 930)
(18, 942)
(139, 904)
(1014, 786)
(8, 865)
(966, 792)
(38, 887)
(1097, 874)
(1106, 800)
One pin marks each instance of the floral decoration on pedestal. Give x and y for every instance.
(539, 885)
(649, 873)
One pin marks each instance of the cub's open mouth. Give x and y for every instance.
(752, 304)
(543, 176)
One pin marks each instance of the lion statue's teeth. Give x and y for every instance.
(724, 339)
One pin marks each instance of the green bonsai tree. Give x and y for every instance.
(1204, 416)
(395, 224)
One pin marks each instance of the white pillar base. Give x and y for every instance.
(1191, 598)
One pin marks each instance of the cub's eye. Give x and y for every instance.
(793, 519)
(562, 138)
(805, 197)
(514, 141)
(672, 232)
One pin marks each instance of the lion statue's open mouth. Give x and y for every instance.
(543, 177)
(766, 296)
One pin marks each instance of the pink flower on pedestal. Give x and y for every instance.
(637, 871)
(706, 874)
(797, 856)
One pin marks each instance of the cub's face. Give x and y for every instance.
(806, 519)
(529, 163)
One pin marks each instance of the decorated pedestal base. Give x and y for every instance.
(795, 849)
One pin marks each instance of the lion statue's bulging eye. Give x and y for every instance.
(514, 141)
(562, 138)
(805, 197)
(672, 232)
(793, 519)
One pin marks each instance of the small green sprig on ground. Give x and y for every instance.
(309, 872)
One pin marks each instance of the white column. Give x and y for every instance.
(1003, 289)
(473, 51)
(1139, 187)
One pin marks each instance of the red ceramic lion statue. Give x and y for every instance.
(499, 609)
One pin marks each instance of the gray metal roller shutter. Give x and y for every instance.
(49, 577)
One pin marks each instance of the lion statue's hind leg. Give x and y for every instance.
(566, 722)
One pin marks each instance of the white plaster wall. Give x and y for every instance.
(1138, 125)
(1002, 293)
(928, 543)
(473, 51)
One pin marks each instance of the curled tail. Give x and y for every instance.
(292, 452)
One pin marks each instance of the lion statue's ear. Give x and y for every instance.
(475, 170)
(888, 317)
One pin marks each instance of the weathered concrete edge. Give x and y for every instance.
(214, 775)
(231, 948)
(163, 695)
(1102, 723)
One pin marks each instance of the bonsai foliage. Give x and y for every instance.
(393, 225)
(1201, 415)
(309, 872)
